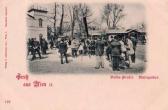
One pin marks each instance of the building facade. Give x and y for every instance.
(37, 22)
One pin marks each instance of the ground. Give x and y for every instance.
(50, 63)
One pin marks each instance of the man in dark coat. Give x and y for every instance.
(134, 42)
(92, 48)
(40, 41)
(108, 50)
(63, 51)
(36, 48)
(29, 46)
(115, 53)
(44, 46)
(99, 51)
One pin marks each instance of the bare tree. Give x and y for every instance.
(78, 18)
(55, 15)
(61, 21)
(84, 13)
(79, 13)
(117, 14)
(113, 13)
(106, 14)
(72, 9)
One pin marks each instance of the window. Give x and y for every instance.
(40, 22)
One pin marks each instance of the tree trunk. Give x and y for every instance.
(86, 26)
(114, 26)
(108, 23)
(72, 29)
(55, 10)
(72, 17)
(61, 22)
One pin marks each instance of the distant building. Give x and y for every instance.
(140, 34)
(110, 33)
(37, 22)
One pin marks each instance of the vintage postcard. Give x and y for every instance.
(83, 55)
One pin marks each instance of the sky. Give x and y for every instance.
(134, 13)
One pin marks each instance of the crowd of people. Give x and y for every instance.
(34, 46)
(119, 50)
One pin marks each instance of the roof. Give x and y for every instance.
(37, 10)
(116, 31)
(98, 32)
(138, 30)
(94, 33)
(31, 16)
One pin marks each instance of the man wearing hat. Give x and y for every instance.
(63, 50)
(115, 53)
(35, 48)
(99, 51)
(74, 47)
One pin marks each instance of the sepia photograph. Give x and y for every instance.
(86, 38)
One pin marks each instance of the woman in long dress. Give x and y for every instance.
(130, 50)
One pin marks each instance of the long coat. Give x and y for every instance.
(75, 44)
(63, 47)
(115, 48)
(129, 47)
(99, 48)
